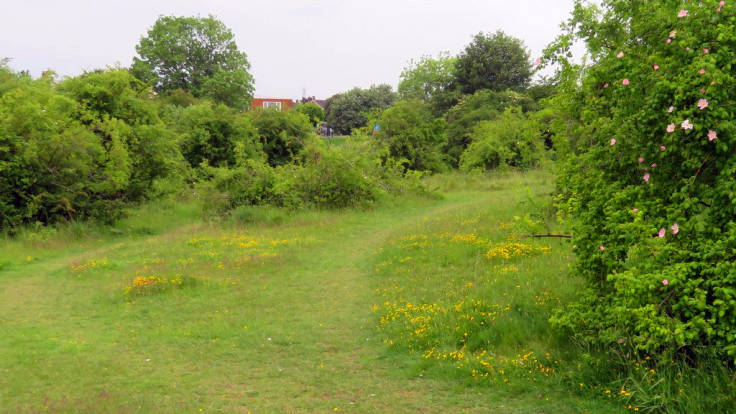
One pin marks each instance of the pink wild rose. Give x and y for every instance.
(661, 233)
(712, 135)
(706, 50)
(620, 55)
(702, 103)
(601, 248)
(662, 148)
(669, 40)
(625, 82)
(613, 141)
(665, 282)
(673, 33)
(686, 124)
(640, 159)
(670, 109)
(671, 128)
(646, 177)
(655, 67)
(675, 228)
(682, 13)
(654, 165)
(701, 71)
(721, 3)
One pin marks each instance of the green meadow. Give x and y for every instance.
(415, 305)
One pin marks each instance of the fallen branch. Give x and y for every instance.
(561, 236)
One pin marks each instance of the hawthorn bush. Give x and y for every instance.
(651, 192)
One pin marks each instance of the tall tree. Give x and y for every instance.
(347, 110)
(430, 80)
(497, 62)
(196, 54)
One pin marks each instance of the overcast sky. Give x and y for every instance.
(321, 46)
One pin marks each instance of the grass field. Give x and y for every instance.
(349, 311)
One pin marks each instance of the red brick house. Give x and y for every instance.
(281, 104)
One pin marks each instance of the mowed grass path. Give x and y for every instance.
(284, 329)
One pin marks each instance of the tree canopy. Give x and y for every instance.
(196, 54)
(347, 110)
(430, 80)
(497, 62)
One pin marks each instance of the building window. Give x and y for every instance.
(275, 105)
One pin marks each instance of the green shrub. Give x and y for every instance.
(281, 134)
(652, 196)
(312, 111)
(328, 179)
(53, 166)
(409, 132)
(511, 140)
(483, 105)
(215, 134)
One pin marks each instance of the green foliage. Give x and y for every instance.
(215, 134)
(348, 110)
(332, 179)
(511, 139)
(119, 108)
(79, 149)
(430, 80)
(281, 134)
(651, 197)
(412, 135)
(484, 105)
(497, 62)
(312, 111)
(197, 54)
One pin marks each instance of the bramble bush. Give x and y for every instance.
(651, 192)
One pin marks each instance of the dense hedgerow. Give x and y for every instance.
(79, 149)
(652, 193)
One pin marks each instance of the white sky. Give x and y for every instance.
(322, 46)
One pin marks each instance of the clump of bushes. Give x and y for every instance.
(79, 149)
(510, 140)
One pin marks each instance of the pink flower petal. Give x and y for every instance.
(662, 148)
(646, 177)
(702, 103)
(655, 67)
(661, 233)
(665, 282)
(675, 228)
(682, 13)
(686, 124)
(640, 159)
(712, 135)
(654, 165)
(620, 55)
(613, 141)
(670, 109)
(601, 248)
(671, 128)
(701, 71)
(625, 82)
